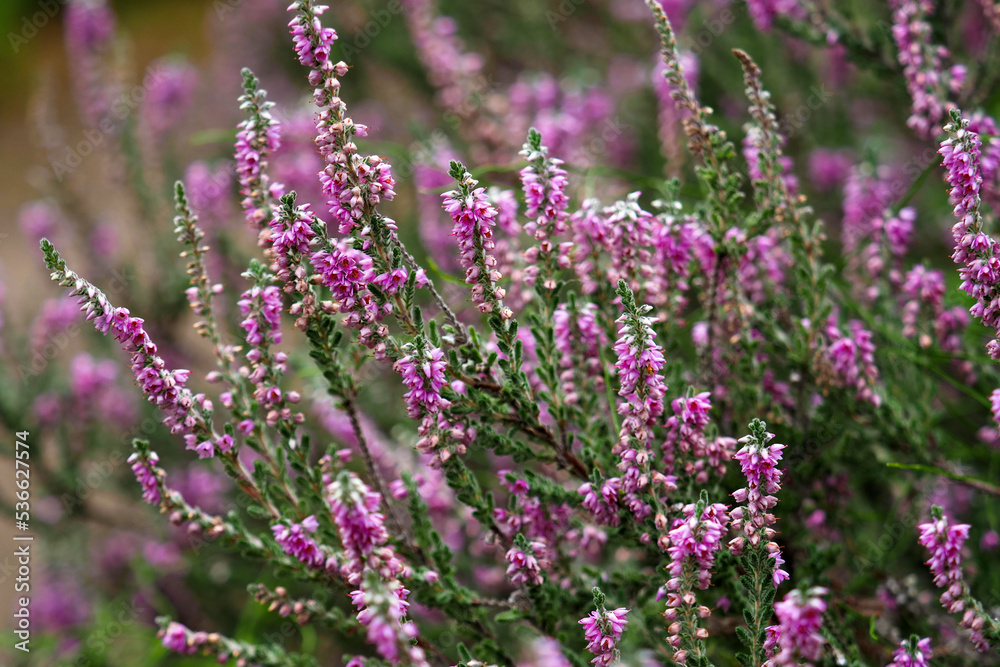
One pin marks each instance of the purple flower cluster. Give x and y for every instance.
(295, 540)
(913, 652)
(544, 652)
(355, 509)
(852, 360)
(40, 219)
(694, 541)
(578, 335)
(686, 437)
(544, 184)
(927, 80)
(423, 372)
(944, 540)
(526, 563)
(312, 41)
(261, 309)
(372, 565)
(175, 638)
(162, 387)
(353, 184)
(798, 637)
(256, 139)
(382, 610)
(758, 460)
(603, 630)
(55, 317)
(986, 127)
(639, 365)
(291, 238)
(449, 66)
(348, 272)
(975, 250)
(475, 217)
(143, 467)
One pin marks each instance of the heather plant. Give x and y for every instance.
(565, 420)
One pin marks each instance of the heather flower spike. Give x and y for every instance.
(798, 640)
(944, 541)
(603, 631)
(474, 219)
(696, 538)
(913, 652)
(753, 519)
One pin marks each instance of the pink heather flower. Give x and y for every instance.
(694, 541)
(95, 395)
(603, 630)
(759, 463)
(544, 184)
(355, 509)
(526, 561)
(602, 502)
(295, 542)
(423, 372)
(175, 638)
(945, 541)
(261, 308)
(89, 25)
(311, 39)
(145, 475)
(853, 360)
(985, 126)
(257, 138)
(639, 363)
(475, 217)
(800, 618)
(578, 334)
(291, 236)
(975, 250)
(927, 80)
(348, 272)
(913, 652)
(383, 608)
(434, 227)
(686, 431)
(348, 200)
(170, 90)
(451, 68)
(353, 184)
(164, 388)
